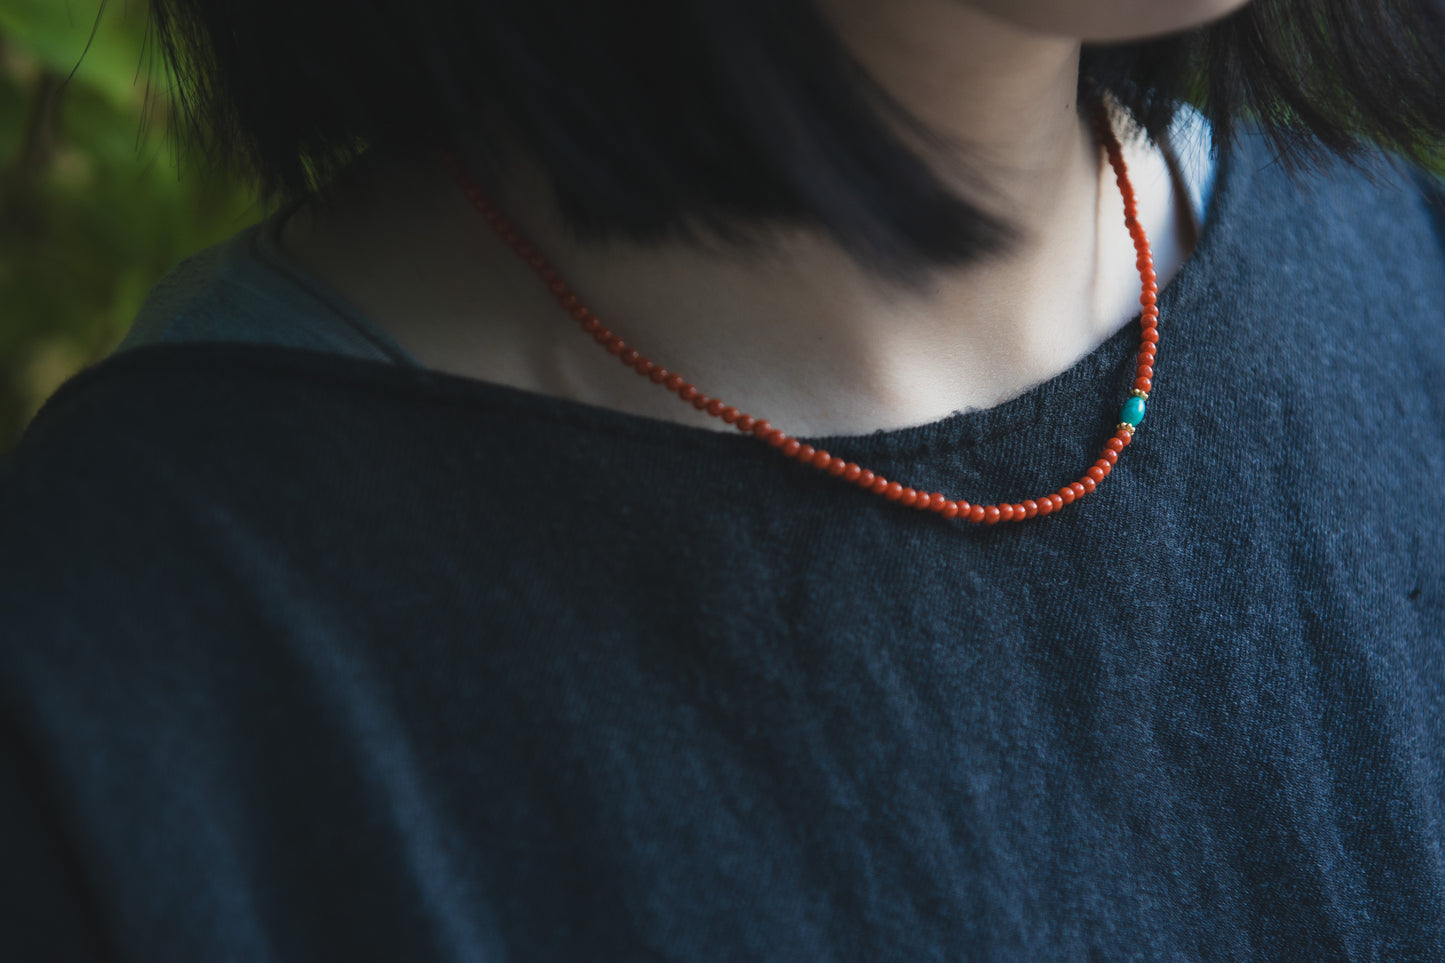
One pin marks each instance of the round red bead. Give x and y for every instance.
(977, 513)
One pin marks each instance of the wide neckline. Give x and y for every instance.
(1093, 380)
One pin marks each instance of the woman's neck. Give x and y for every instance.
(796, 332)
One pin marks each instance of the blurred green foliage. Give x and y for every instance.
(94, 203)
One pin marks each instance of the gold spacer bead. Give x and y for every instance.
(1126, 427)
(1141, 394)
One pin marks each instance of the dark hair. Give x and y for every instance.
(657, 117)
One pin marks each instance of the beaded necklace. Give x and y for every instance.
(1129, 417)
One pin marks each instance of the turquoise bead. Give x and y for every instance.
(1133, 412)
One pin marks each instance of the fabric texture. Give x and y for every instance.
(317, 657)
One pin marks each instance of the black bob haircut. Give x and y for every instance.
(657, 118)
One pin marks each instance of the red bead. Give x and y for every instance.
(822, 460)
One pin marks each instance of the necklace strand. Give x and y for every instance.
(1129, 417)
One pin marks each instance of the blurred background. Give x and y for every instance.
(94, 204)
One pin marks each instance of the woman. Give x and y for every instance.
(1085, 602)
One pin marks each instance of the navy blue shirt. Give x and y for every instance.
(305, 656)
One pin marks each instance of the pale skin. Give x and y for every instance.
(801, 334)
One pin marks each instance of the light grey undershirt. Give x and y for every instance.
(248, 290)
